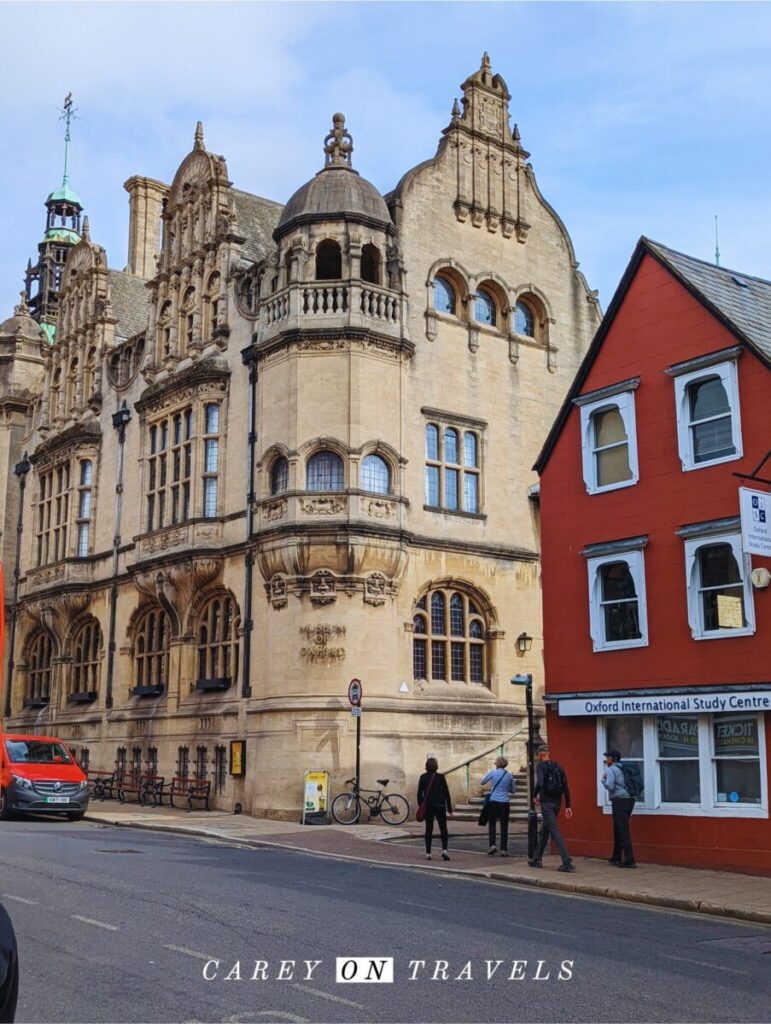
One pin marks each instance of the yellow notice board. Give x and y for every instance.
(316, 793)
(238, 757)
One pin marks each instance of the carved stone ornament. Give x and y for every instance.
(164, 541)
(473, 338)
(375, 589)
(321, 506)
(323, 587)
(278, 596)
(275, 510)
(380, 509)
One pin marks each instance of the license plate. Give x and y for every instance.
(57, 799)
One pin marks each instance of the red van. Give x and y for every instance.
(39, 775)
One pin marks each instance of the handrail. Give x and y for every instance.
(477, 757)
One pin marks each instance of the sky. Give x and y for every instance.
(641, 118)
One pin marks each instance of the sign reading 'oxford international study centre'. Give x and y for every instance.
(669, 704)
(755, 511)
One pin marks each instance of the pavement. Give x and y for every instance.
(723, 893)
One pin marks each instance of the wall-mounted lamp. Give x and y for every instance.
(524, 643)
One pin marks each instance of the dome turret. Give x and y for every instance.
(337, 191)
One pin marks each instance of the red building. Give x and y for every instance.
(657, 620)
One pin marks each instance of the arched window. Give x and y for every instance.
(329, 261)
(212, 307)
(610, 447)
(85, 659)
(375, 474)
(444, 296)
(449, 635)
(218, 641)
(370, 264)
(325, 472)
(39, 660)
(279, 476)
(484, 308)
(151, 649)
(524, 320)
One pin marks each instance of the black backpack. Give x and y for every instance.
(554, 781)
(633, 780)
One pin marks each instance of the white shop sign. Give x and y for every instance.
(669, 704)
(755, 512)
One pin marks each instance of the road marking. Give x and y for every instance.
(190, 952)
(424, 906)
(19, 899)
(327, 995)
(546, 931)
(319, 885)
(98, 924)
(703, 963)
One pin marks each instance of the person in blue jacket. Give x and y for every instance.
(502, 788)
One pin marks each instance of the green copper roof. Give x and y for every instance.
(62, 235)
(50, 332)
(64, 194)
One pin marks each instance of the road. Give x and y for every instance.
(118, 924)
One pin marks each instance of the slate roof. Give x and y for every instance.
(334, 192)
(746, 305)
(257, 219)
(740, 302)
(129, 303)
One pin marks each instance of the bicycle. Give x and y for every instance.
(392, 807)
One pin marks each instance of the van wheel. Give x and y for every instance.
(76, 816)
(4, 812)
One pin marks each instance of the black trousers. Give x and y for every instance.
(498, 812)
(440, 815)
(622, 837)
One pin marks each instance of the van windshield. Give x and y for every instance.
(36, 752)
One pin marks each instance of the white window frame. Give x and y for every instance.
(624, 402)
(727, 373)
(634, 559)
(709, 806)
(695, 617)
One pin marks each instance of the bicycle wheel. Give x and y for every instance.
(394, 809)
(346, 809)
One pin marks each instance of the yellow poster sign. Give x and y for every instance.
(316, 792)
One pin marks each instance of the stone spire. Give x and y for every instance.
(198, 138)
(338, 145)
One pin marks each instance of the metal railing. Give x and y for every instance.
(499, 746)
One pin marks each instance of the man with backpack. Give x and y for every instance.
(623, 782)
(551, 787)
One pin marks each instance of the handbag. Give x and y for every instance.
(484, 814)
(420, 813)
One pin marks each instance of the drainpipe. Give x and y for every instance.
(249, 359)
(20, 470)
(120, 421)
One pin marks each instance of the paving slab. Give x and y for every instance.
(723, 893)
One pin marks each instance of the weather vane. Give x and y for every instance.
(68, 114)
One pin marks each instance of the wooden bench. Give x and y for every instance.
(104, 785)
(145, 786)
(190, 790)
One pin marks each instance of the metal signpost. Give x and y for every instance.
(532, 816)
(355, 693)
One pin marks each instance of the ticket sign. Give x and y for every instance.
(755, 512)
(238, 757)
(355, 692)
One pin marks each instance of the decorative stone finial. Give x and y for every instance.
(85, 233)
(198, 139)
(338, 145)
(455, 108)
(515, 133)
(22, 309)
(485, 65)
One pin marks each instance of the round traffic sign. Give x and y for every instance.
(355, 692)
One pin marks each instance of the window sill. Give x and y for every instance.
(689, 466)
(592, 489)
(697, 810)
(621, 645)
(455, 512)
(723, 634)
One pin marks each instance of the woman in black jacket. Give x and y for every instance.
(433, 791)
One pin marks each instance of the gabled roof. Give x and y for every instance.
(740, 302)
(257, 220)
(130, 304)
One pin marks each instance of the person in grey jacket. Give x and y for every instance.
(622, 804)
(502, 788)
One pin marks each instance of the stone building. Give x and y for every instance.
(290, 445)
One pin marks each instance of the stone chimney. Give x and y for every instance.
(146, 198)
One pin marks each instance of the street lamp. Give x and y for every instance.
(20, 470)
(532, 818)
(524, 643)
(120, 420)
